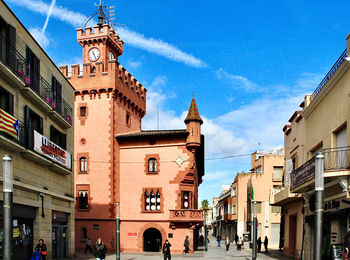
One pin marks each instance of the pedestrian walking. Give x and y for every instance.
(227, 243)
(346, 246)
(239, 243)
(166, 250)
(99, 250)
(201, 240)
(266, 243)
(236, 239)
(88, 246)
(187, 245)
(258, 242)
(208, 239)
(218, 238)
(42, 249)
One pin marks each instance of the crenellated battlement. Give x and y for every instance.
(115, 77)
(100, 34)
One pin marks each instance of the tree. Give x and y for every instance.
(205, 204)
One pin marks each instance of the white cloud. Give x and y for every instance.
(133, 64)
(237, 81)
(159, 47)
(40, 37)
(133, 38)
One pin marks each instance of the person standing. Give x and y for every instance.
(227, 243)
(187, 245)
(99, 250)
(236, 239)
(266, 243)
(42, 249)
(166, 250)
(218, 238)
(346, 246)
(258, 242)
(88, 245)
(239, 243)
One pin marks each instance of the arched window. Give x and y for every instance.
(152, 165)
(83, 199)
(152, 200)
(83, 164)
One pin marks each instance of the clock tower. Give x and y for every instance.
(100, 44)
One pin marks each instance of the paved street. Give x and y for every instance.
(213, 252)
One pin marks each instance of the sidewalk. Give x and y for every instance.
(214, 252)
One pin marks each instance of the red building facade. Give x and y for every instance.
(154, 175)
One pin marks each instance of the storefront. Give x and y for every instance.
(22, 243)
(59, 235)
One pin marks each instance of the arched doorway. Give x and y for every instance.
(152, 240)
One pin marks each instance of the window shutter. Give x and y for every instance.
(41, 125)
(10, 55)
(10, 97)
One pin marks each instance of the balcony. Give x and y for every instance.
(39, 93)
(29, 146)
(61, 112)
(283, 196)
(11, 62)
(336, 164)
(186, 215)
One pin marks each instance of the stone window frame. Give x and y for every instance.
(143, 200)
(83, 155)
(83, 187)
(81, 118)
(149, 157)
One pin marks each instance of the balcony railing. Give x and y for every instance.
(62, 108)
(179, 215)
(11, 57)
(337, 158)
(329, 74)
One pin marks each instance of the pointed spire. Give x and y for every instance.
(193, 114)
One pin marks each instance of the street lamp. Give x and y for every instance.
(7, 189)
(254, 232)
(117, 222)
(319, 193)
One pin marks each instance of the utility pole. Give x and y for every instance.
(7, 189)
(254, 232)
(205, 230)
(319, 193)
(117, 222)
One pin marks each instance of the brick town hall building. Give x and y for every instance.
(154, 175)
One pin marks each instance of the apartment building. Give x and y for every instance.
(264, 177)
(36, 130)
(322, 127)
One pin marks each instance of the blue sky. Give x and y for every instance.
(250, 63)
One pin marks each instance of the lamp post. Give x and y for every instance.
(319, 193)
(7, 189)
(117, 222)
(254, 232)
(205, 231)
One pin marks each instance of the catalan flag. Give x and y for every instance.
(8, 124)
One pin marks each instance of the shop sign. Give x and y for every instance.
(51, 150)
(303, 173)
(337, 252)
(131, 234)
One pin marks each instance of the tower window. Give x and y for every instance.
(83, 164)
(83, 111)
(152, 165)
(83, 199)
(128, 119)
(186, 200)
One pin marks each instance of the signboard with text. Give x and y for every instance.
(51, 150)
(303, 173)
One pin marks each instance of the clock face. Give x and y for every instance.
(111, 56)
(94, 54)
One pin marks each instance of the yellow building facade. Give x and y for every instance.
(37, 100)
(321, 126)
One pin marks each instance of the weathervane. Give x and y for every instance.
(102, 18)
